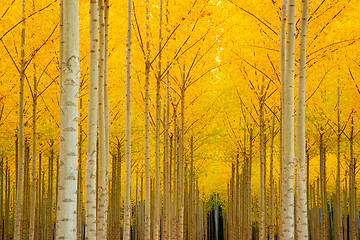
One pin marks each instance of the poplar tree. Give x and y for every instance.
(91, 150)
(127, 196)
(301, 199)
(68, 103)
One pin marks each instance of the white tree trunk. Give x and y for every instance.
(68, 94)
(287, 190)
(106, 116)
(127, 196)
(91, 150)
(282, 76)
(301, 199)
(101, 224)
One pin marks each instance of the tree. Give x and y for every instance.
(287, 178)
(300, 196)
(91, 149)
(68, 103)
(20, 169)
(127, 197)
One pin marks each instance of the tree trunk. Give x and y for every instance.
(324, 206)
(33, 165)
(79, 183)
(287, 181)
(282, 106)
(182, 155)
(301, 200)
(127, 194)
(101, 214)
(157, 203)
(69, 89)
(91, 147)
(338, 228)
(20, 170)
(353, 218)
(147, 229)
(262, 203)
(271, 201)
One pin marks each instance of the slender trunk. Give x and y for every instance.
(147, 229)
(287, 181)
(175, 203)
(101, 215)
(157, 209)
(7, 202)
(271, 202)
(91, 148)
(127, 194)
(301, 203)
(249, 199)
(20, 170)
(282, 106)
(345, 209)
(106, 115)
(353, 226)
(182, 155)
(33, 165)
(324, 205)
(49, 228)
(338, 233)
(69, 89)
(167, 169)
(79, 183)
(262, 204)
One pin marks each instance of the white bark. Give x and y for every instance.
(101, 224)
(301, 199)
(68, 94)
(282, 76)
(287, 191)
(91, 150)
(127, 197)
(106, 116)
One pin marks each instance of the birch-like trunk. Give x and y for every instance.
(91, 148)
(262, 204)
(127, 194)
(33, 165)
(271, 201)
(20, 169)
(324, 225)
(69, 93)
(282, 76)
(301, 199)
(157, 203)
(338, 228)
(182, 156)
(147, 229)
(101, 215)
(353, 216)
(287, 181)
(105, 162)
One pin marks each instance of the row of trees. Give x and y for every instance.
(170, 200)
